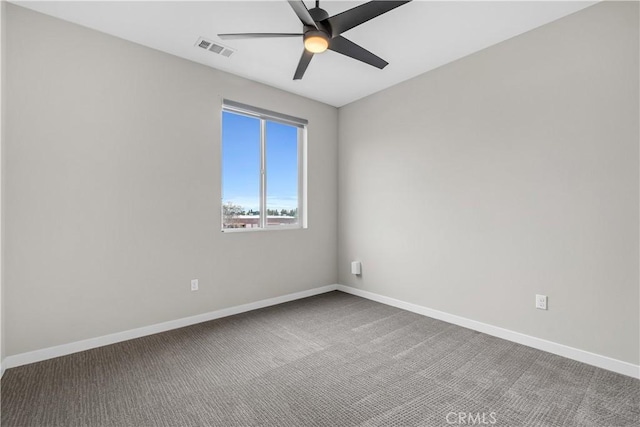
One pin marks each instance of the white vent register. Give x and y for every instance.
(214, 47)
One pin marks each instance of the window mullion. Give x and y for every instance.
(263, 175)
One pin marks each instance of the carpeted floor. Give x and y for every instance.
(330, 360)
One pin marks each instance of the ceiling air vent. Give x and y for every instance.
(204, 44)
(214, 47)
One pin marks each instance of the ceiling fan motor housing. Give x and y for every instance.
(318, 14)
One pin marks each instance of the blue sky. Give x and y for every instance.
(241, 162)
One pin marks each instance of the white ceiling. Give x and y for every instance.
(414, 38)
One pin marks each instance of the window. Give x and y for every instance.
(262, 168)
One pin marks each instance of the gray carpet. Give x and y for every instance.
(330, 360)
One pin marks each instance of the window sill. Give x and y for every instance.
(251, 230)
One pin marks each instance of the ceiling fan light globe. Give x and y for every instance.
(316, 44)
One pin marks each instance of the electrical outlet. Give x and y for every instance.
(194, 284)
(541, 302)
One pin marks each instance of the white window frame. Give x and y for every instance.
(266, 115)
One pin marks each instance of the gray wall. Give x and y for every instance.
(113, 189)
(508, 173)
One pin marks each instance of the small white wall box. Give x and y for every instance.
(356, 268)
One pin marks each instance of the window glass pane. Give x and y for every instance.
(282, 174)
(240, 171)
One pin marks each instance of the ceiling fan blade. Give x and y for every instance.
(347, 47)
(353, 17)
(303, 64)
(301, 10)
(256, 35)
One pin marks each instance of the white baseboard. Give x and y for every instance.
(600, 361)
(589, 358)
(74, 347)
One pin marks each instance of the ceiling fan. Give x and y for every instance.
(322, 32)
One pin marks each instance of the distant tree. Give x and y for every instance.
(284, 212)
(230, 210)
